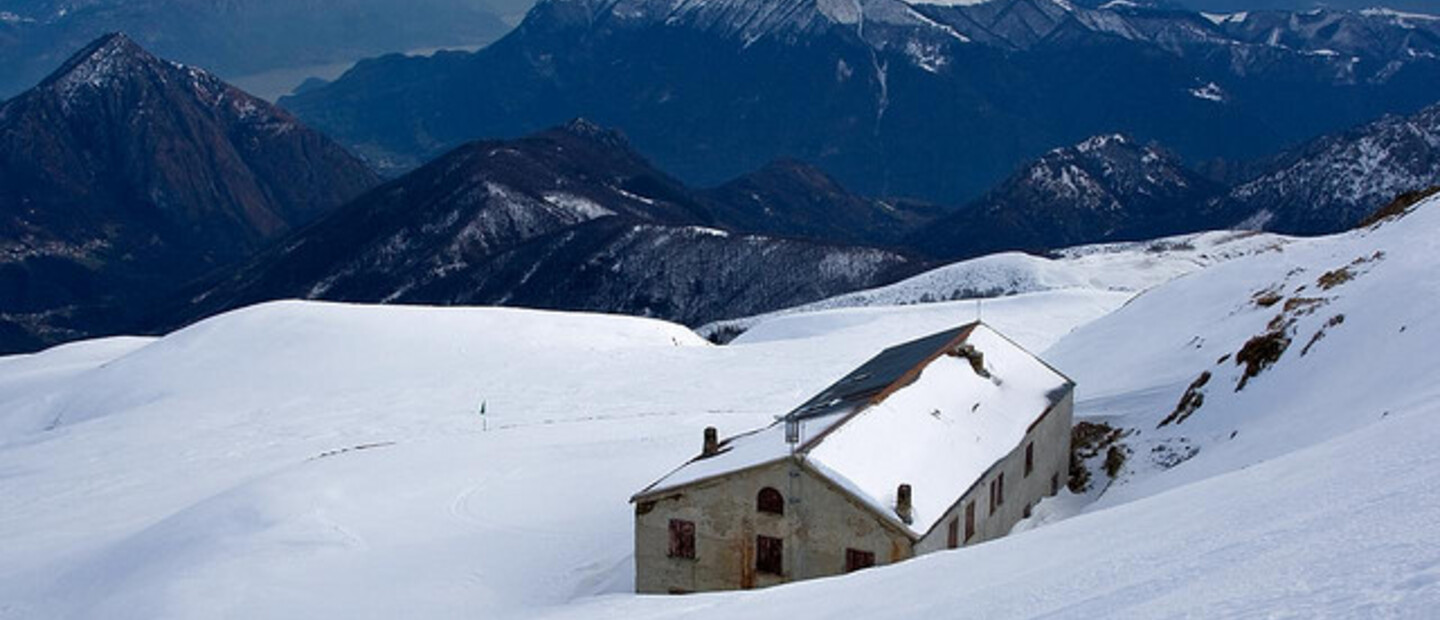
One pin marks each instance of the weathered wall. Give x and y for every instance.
(819, 523)
(1052, 457)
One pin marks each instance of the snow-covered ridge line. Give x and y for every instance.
(1126, 267)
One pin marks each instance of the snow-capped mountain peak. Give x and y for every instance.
(751, 20)
(1108, 187)
(106, 59)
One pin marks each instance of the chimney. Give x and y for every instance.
(712, 442)
(976, 358)
(903, 504)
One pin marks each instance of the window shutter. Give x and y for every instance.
(682, 539)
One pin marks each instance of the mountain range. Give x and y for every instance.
(934, 102)
(571, 218)
(143, 194)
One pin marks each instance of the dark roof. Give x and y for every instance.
(875, 376)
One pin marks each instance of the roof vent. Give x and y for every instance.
(903, 506)
(976, 358)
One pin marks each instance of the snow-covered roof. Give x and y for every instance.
(916, 414)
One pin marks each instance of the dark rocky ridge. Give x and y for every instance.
(569, 218)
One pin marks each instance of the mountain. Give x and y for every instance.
(123, 175)
(238, 38)
(791, 198)
(1333, 182)
(933, 102)
(1107, 188)
(571, 217)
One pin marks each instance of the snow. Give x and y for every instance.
(1209, 92)
(325, 460)
(1119, 4)
(952, 2)
(585, 208)
(941, 433)
(1223, 18)
(1401, 18)
(1121, 267)
(204, 450)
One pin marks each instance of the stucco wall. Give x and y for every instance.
(1051, 437)
(816, 530)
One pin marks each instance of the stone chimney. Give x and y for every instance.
(903, 506)
(712, 442)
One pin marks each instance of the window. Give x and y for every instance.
(952, 537)
(969, 521)
(682, 539)
(770, 501)
(856, 559)
(1025, 514)
(997, 492)
(1029, 458)
(769, 555)
(1055, 483)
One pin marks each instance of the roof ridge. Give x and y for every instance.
(906, 378)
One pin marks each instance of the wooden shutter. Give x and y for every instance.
(682, 539)
(769, 555)
(969, 521)
(856, 559)
(952, 537)
(1029, 458)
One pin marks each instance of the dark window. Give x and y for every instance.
(969, 521)
(992, 497)
(1029, 458)
(769, 555)
(1025, 514)
(952, 537)
(1055, 483)
(856, 559)
(770, 501)
(997, 492)
(682, 538)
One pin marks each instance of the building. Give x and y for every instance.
(934, 444)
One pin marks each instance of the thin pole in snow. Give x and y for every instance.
(484, 421)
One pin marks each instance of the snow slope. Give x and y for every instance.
(318, 460)
(1310, 492)
(1130, 267)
